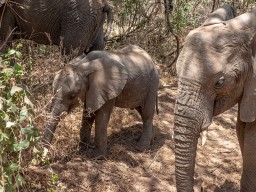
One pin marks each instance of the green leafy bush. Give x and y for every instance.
(17, 132)
(182, 15)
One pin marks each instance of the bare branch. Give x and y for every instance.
(170, 30)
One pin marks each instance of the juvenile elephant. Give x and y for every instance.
(78, 23)
(103, 79)
(216, 70)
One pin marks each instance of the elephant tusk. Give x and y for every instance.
(198, 182)
(204, 136)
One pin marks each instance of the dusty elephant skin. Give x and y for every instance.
(127, 78)
(78, 23)
(216, 70)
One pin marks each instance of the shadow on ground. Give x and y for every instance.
(126, 169)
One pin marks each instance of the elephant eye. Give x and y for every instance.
(72, 96)
(220, 83)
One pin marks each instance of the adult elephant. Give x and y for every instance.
(216, 70)
(78, 24)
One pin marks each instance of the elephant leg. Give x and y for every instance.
(85, 131)
(240, 127)
(248, 180)
(74, 42)
(102, 117)
(147, 133)
(147, 114)
(99, 42)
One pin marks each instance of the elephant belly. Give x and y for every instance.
(129, 101)
(132, 96)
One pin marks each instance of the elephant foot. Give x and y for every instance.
(143, 145)
(99, 154)
(85, 145)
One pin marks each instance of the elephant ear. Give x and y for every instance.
(248, 103)
(245, 27)
(106, 80)
(223, 13)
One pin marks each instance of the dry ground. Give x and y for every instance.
(125, 169)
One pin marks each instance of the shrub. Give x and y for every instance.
(17, 132)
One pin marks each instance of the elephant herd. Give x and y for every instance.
(216, 70)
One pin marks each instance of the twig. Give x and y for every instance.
(131, 29)
(6, 39)
(154, 159)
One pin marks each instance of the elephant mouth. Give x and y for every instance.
(205, 126)
(72, 107)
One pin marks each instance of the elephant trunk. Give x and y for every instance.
(52, 123)
(186, 138)
(192, 115)
(109, 12)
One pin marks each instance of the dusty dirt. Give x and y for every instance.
(124, 168)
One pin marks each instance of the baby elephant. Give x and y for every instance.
(126, 78)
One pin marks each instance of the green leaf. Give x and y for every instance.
(14, 166)
(23, 113)
(11, 51)
(27, 101)
(17, 67)
(13, 108)
(28, 131)
(55, 176)
(18, 54)
(6, 117)
(15, 89)
(20, 179)
(3, 136)
(22, 145)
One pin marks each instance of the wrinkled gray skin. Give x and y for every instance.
(223, 13)
(79, 23)
(216, 70)
(127, 78)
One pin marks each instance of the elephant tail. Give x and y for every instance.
(108, 9)
(157, 109)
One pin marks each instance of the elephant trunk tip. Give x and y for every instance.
(198, 182)
(47, 140)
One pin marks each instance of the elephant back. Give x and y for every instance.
(143, 76)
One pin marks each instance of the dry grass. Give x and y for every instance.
(125, 169)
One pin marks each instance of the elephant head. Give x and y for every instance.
(216, 69)
(223, 13)
(93, 82)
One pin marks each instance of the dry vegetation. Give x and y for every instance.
(125, 169)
